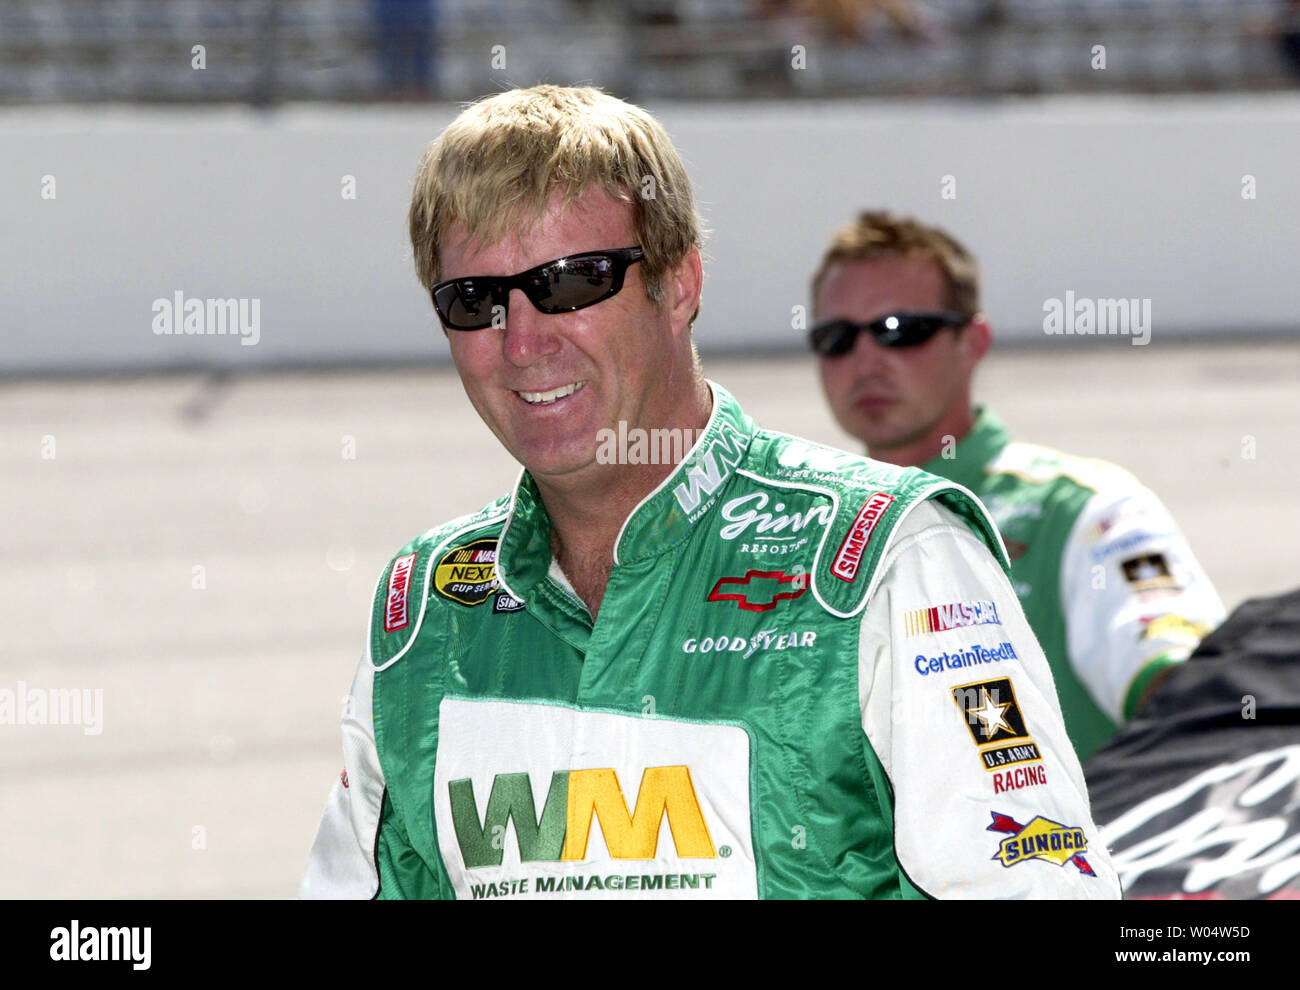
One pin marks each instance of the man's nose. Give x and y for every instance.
(529, 334)
(868, 352)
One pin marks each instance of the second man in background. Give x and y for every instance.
(1106, 578)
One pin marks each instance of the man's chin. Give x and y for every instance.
(549, 461)
(875, 430)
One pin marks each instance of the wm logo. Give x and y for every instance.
(575, 798)
(710, 470)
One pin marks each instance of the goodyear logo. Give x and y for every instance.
(468, 573)
(574, 800)
(1041, 839)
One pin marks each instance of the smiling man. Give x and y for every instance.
(702, 676)
(1106, 578)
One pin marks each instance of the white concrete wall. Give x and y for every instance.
(1106, 197)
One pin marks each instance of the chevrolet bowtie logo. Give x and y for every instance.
(759, 591)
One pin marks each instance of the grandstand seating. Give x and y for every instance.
(262, 51)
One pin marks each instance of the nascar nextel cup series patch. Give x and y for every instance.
(468, 573)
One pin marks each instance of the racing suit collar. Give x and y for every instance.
(662, 520)
(976, 449)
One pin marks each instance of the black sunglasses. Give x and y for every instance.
(559, 286)
(835, 337)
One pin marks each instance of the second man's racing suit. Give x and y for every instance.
(1106, 578)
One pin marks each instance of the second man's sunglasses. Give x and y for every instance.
(835, 337)
(559, 286)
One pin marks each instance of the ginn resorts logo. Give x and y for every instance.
(575, 797)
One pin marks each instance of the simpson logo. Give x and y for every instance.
(957, 615)
(396, 612)
(467, 574)
(759, 591)
(506, 603)
(849, 558)
(642, 808)
(1042, 839)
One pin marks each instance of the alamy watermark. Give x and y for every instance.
(104, 944)
(638, 446)
(195, 316)
(25, 705)
(1075, 315)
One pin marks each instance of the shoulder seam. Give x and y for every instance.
(1066, 473)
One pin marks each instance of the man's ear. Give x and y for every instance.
(977, 338)
(682, 288)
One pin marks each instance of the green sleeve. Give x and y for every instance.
(1143, 680)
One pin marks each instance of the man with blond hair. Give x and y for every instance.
(1106, 578)
(698, 678)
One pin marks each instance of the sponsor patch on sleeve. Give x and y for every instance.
(996, 724)
(1041, 839)
(954, 615)
(1174, 628)
(467, 574)
(1149, 572)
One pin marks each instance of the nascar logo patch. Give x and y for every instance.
(468, 573)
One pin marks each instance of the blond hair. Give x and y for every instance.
(496, 165)
(880, 234)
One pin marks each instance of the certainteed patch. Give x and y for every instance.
(468, 573)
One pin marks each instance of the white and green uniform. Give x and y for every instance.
(1106, 577)
(809, 677)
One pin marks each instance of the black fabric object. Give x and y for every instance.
(1195, 797)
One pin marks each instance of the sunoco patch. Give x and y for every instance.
(467, 574)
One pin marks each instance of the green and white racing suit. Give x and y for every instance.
(757, 710)
(1106, 577)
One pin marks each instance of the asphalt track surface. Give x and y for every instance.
(202, 550)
